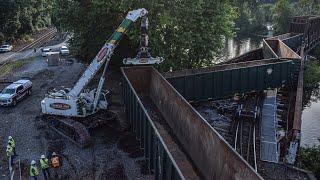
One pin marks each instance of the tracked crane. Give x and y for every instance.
(74, 102)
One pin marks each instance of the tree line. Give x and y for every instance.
(22, 17)
(254, 14)
(284, 10)
(188, 33)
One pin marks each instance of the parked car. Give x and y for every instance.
(45, 51)
(6, 48)
(64, 50)
(15, 92)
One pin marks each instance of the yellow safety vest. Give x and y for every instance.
(12, 143)
(44, 163)
(55, 162)
(9, 151)
(34, 171)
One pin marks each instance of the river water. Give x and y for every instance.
(310, 130)
(243, 43)
(240, 45)
(311, 115)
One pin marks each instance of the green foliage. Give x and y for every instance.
(245, 20)
(10, 67)
(282, 12)
(264, 12)
(252, 15)
(310, 158)
(316, 52)
(307, 7)
(1, 37)
(312, 73)
(21, 17)
(186, 33)
(311, 82)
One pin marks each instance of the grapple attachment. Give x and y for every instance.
(143, 61)
(144, 56)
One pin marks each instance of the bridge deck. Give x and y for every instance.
(268, 149)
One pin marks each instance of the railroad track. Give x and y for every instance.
(38, 42)
(245, 141)
(245, 137)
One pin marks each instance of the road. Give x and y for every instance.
(28, 53)
(114, 153)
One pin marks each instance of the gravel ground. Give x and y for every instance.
(114, 154)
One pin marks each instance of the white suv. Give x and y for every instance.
(15, 92)
(64, 50)
(45, 52)
(6, 48)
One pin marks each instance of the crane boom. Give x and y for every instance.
(106, 51)
(76, 103)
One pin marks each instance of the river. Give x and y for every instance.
(310, 130)
(240, 45)
(311, 115)
(243, 43)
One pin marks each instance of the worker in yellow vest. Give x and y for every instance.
(34, 172)
(12, 143)
(44, 163)
(56, 163)
(10, 153)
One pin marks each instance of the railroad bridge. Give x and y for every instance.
(177, 142)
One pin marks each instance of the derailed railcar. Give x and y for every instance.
(226, 80)
(159, 159)
(210, 155)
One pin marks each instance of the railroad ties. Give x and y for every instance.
(248, 114)
(236, 119)
(254, 124)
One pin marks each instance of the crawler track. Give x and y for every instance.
(76, 130)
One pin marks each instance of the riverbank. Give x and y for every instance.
(311, 113)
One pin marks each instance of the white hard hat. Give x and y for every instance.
(10, 137)
(54, 154)
(33, 162)
(43, 156)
